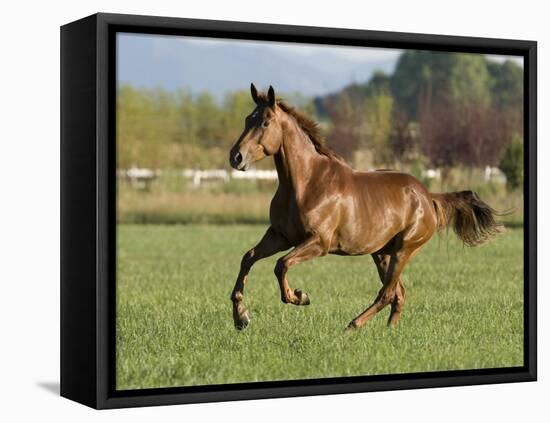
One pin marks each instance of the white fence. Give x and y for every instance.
(139, 178)
(490, 174)
(142, 178)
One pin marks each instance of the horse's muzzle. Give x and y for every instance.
(236, 160)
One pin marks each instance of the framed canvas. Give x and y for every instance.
(197, 156)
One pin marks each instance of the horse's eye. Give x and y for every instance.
(265, 124)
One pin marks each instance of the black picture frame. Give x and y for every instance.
(88, 210)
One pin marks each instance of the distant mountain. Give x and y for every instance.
(172, 63)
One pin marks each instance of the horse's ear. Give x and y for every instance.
(254, 93)
(271, 96)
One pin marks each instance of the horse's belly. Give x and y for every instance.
(361, 244)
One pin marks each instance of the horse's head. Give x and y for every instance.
(262, 135)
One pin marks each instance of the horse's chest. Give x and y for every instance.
(286, 219)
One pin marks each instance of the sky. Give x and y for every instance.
(221, 65)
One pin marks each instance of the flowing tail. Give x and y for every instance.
(472, 219)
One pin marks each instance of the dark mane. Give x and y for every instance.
(311, 128)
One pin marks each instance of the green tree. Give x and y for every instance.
(208, 125)
(187, 118)
(512, 163)
(506, 84)
(469, 80)
(428, 76)
(379, 83)
(134, 129)
(379, 110)
(236, 106)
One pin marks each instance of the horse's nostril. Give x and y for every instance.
(238, 158)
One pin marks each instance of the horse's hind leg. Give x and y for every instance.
(386, 295)
(382, 262)
(271, 243)
(397, 305)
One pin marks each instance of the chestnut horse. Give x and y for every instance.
(322, 206)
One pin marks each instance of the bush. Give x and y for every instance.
(512, 163)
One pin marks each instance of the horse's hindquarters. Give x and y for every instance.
(377, 208)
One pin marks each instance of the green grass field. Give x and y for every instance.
(464, 310)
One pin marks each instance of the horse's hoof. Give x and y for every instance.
(242, 321)
(303, 298)
(351, 327)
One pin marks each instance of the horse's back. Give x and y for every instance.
(389, 180)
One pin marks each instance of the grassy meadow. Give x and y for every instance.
(171, 199)
(464, 310)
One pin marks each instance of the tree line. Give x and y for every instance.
(446, 109)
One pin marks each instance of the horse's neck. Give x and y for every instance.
(296, 158)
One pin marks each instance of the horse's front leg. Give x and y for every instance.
(309, 249)
(271, 243)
